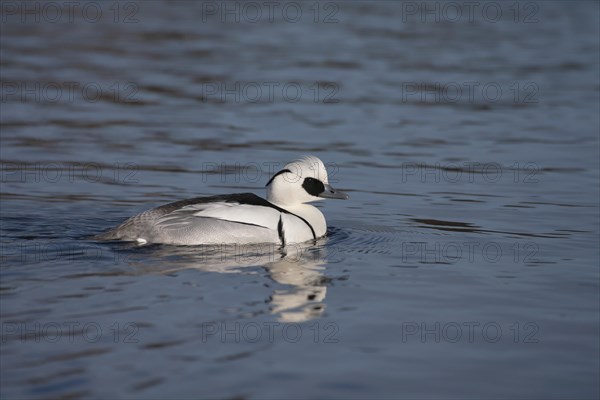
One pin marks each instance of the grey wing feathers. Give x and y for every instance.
(178, 223)
(133, 227)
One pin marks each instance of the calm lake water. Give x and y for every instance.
(464, 265)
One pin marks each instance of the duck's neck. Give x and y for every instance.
(311, 214)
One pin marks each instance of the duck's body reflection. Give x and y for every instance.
(302, 269)
(298, 266)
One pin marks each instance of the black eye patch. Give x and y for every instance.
(313, 186)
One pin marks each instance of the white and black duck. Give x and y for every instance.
(242, 218)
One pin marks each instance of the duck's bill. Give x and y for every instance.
(331, 193)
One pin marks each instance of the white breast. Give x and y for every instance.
(295, 230)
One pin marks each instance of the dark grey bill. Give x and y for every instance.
(331, 193)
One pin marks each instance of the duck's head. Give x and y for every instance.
(301, 181)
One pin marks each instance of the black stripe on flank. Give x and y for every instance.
(297, 216)
(234, 222)
(280, 231)
(306, 222)
(283, 171)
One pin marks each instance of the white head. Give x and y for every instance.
(301, 181)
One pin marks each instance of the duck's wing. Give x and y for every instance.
(235, 218)
(235, 213)
(222, 219)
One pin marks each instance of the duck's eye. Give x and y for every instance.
(313, 186)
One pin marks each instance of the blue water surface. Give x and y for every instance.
(464, 265)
